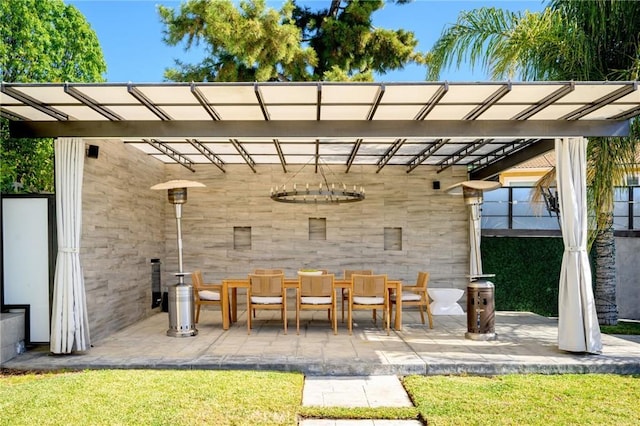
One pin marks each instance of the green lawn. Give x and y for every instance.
(151, 397)
(623, 327)
(193, 397)
(569, 399)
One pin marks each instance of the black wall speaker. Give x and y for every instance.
(436, 184)
(92, 151)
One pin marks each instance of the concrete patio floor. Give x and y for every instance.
(526, 343)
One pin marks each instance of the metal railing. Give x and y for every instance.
(509, 208)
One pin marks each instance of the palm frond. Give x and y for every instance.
(541, 190)
(470, 39)
(532, 46)
(610, 160)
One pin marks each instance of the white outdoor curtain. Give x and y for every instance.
(69, 322)
(475, 259)
(578, 329)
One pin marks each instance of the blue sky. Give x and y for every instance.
(130, 33)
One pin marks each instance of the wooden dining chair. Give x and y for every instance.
(369, 292)
(268, 271)
(416, 295)
(205, 294)
(266, 291)
(347, 277)
(316, 293)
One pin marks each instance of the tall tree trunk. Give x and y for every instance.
(605, 274)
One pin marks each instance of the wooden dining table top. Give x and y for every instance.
(294, 282)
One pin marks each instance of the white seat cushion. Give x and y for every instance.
(362, 300)
(266, 300)
(209, 295)
(315, 300)
(409, 297)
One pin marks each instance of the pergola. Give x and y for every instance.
(486, 127)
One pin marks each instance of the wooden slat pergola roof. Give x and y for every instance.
(486, 127)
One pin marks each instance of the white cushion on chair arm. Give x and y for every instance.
(409, 297)
(209, 295)
(264, 300)
(362, 300)
(308, 300)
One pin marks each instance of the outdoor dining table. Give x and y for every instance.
(234, 284)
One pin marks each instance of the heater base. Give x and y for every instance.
(481, 336)
(181, 313)
(182, 333)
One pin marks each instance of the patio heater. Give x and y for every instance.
(480, 291)
(181, 312)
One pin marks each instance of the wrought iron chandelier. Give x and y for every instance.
(322, 192)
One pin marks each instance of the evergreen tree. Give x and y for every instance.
(252, 42)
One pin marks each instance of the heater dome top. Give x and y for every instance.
(178, 184)
(481, 185)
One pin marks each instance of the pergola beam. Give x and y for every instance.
(243, 153)
(171, 153)
(520, 156)
(320, 129)
(211, 156)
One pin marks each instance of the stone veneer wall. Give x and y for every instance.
(123, 227)
(434, 224)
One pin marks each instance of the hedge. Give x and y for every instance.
(527, 272)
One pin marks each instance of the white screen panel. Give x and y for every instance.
(26, 260)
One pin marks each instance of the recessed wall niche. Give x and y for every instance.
(393, 239)
(317, 228)
(242, 238)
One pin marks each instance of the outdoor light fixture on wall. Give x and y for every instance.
(181, 313)
(92, 151)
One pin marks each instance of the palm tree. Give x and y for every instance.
(568, 40)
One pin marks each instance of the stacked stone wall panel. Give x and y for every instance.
(123, 228)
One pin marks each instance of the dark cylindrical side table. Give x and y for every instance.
(480, 310)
